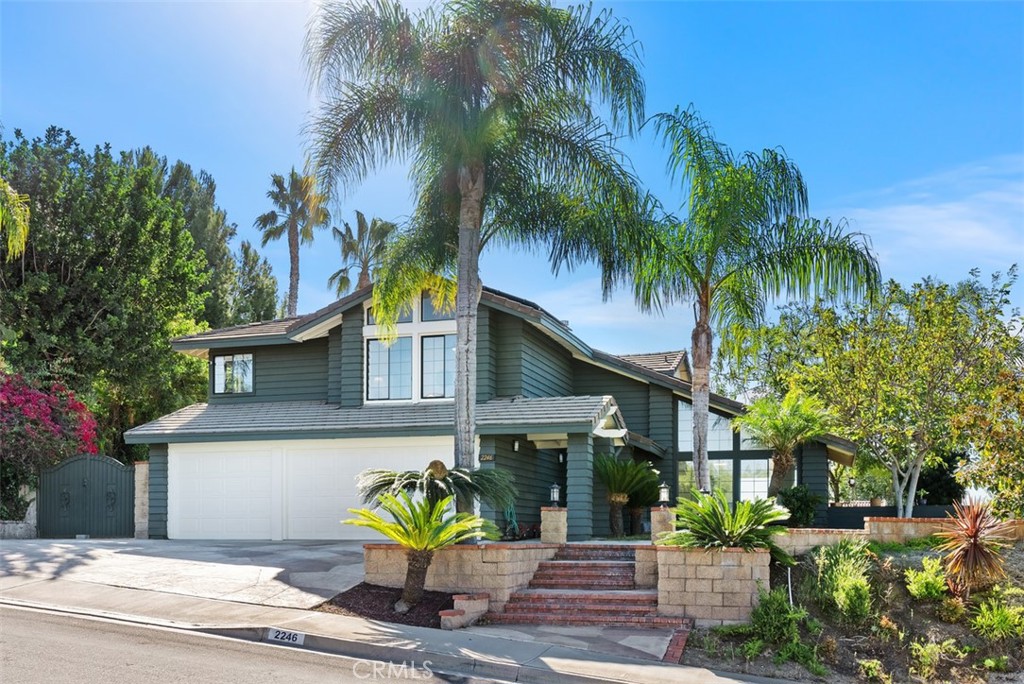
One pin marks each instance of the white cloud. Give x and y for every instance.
(947, 223)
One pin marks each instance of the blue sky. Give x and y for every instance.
(906, 118)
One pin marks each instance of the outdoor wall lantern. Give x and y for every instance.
(663, 494)
(555, 492)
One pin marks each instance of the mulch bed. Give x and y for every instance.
(377, 603)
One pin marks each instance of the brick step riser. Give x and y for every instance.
(568, 574)
(519, 599)
(587, 586)
(583, 556)
(595, 564)
(580, 610)
(644, 621)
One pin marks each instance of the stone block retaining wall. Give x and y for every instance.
(799, 540)
(497, 569)
(711, 587)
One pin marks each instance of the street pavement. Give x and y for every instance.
(256, 591)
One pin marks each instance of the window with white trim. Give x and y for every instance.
(232, 374)
(419, 364)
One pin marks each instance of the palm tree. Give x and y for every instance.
(782, 426)
(423, 529)
(364, 247)
(494, 486)
(298, 210)
(491, 102)
(746, 238)
(620, 478)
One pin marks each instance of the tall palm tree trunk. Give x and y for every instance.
(364, 276)
(701, 386)
(467, 298)
(415, 579)
(293, 272)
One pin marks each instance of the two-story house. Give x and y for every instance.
(298, 407)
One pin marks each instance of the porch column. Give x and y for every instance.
(579, 486)
(488, 454)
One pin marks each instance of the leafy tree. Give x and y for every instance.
(745, 238)
(437, 481)
(14, 219)
(39, 427)
(783, 426)
(298, 211)
(622, 477)
(996, 431)
(254, 291)
(491, 101)
(898, 372)
(109, 273)
(363, 248)
(422, 528)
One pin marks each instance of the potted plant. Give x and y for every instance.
(874, 485)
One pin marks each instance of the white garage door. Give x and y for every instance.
(298, 489)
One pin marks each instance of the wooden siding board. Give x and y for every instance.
(486, 384)
(334, 348)
(508, 355)
(579, 487)
(158, 491)
(351, 390)
(535, 471)
(813, 467)
(546, 368)
(284, 372)
(630, 395)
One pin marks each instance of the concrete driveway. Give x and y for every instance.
(285, 574)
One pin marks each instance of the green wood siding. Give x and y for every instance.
(661, 416)
(351, 391)
(546, 368)
(508, 355)
(632, 396)
(812, 463)
(579, 487)
(334, 365)
(283, 372)
(486, 384)
(534, 470)
(158, 491)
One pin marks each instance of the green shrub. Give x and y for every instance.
(873, 671)
(926, 656)
(709, 521)
(996, 621)
(929, 583)
(915, 544)
(842, 582)
(801, 503)
(853, 598)
(774, 621)
(997, 664)
(753, 648)
(952, 609)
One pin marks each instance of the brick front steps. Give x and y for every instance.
(586, 584)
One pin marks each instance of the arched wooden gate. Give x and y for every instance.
(88, 495)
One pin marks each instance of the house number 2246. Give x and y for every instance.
(284, 637)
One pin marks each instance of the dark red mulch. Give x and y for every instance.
(377, 603)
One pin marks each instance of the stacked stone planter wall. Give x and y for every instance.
(497, 569)
(711, 587)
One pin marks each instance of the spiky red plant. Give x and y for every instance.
(973, 538)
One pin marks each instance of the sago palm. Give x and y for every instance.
(437, 481)
(621, 477)
(782, 426)
(491, 102)
(745, 239)
(298, 211)
(422, 527)
(363, 248)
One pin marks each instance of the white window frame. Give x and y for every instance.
(225, 392)
(417, 329)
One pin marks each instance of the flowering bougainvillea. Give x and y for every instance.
(39, 427)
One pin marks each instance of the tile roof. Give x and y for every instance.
(314, 416)
(266, 328)
(663, 362)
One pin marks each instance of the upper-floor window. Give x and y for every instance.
(419, 364)
(232, 374)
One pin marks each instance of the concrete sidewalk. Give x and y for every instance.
(248, 589)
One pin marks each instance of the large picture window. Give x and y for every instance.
(438, 366)
(389, 369)
(232, 374)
